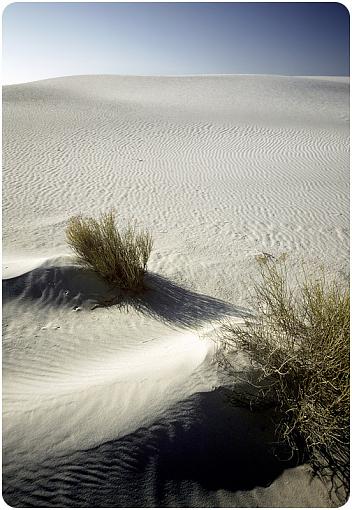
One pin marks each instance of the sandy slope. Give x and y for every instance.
(220, 169)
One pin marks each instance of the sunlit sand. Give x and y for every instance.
(125, 405)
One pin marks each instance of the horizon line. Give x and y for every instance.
(178, 76)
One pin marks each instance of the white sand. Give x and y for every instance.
(219, 169)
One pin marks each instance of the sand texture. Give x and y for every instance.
(125, 405)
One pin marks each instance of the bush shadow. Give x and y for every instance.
(169, 302)
(200, 446)
(73, 286)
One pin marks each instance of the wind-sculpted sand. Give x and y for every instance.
(123, 405)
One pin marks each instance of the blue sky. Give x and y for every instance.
(42, 40)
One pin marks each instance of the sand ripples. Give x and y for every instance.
(175, 173)
(220, 169)
(98, 373)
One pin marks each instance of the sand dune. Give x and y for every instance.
(220, 169)
(138, 362)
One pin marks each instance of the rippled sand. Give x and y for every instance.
(122, 406)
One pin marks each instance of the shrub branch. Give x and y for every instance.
(298, 345)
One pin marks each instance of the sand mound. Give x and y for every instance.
(98, 371)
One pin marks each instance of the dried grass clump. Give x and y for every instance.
(298, 343)
(119, 256)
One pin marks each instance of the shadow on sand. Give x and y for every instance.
(202, 445)
(72, 286)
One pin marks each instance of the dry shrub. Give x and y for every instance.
(119, 256)
(298, 343)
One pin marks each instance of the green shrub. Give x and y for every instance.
(119, 256)
(298, 343)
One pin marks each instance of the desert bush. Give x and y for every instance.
(119, 256)
(298, 344)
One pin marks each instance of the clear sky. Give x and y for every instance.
(42, 40)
